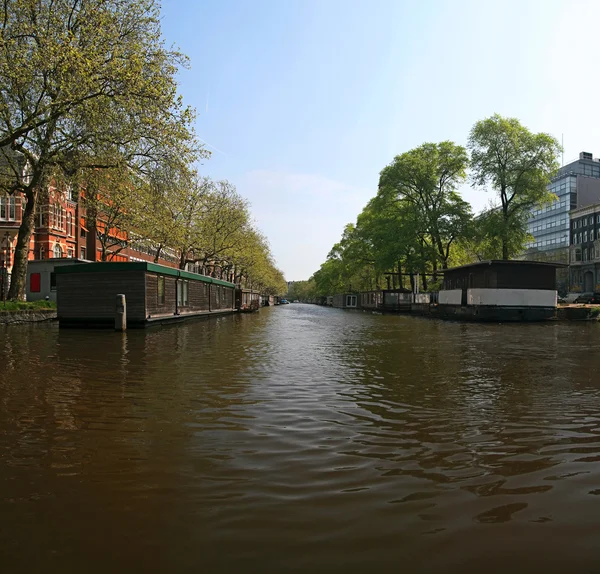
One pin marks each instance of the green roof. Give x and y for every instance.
(112, 267)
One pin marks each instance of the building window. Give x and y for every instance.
(579, 237)
(591, 221)
(7, 208)
(585, 254)
(71, 253)
(161, 290)
(579, 223)
(82, 253)
(591, 235)
(585, 236)
(44, 216)
(57, 251)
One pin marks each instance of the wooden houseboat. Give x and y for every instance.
(499, 291)
(247, 300)
(346, 301)
(86, 294)
(394, 300)
(267, 300)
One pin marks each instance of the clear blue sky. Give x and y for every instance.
(305, 101)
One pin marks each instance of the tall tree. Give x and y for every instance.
(83, 83)
(518, 165)
(428, 177)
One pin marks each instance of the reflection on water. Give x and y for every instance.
(301, 439)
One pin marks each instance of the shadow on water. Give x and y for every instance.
(300, 438)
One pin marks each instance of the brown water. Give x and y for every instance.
(301, 439)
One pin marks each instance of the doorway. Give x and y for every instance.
(588, 282)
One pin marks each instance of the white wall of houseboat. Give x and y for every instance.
(510, 297)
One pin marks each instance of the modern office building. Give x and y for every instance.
(577, 184)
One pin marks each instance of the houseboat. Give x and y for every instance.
(247, 300)
(86, 294)
(346, 301)
(499, 291)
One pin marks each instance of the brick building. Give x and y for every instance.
(62, 230)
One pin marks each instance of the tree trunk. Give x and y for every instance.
(157, 254)
(505, 249)
(424, 281)
(21, 256)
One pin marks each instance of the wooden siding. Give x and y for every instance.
(92, 297)
(153, 307)
(202, 296)
(199, 294)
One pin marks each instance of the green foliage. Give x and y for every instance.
(426, 179)
(27, 305)
(305, 291)
(84, 85)
(518, 165)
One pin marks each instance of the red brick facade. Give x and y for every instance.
(62, 230)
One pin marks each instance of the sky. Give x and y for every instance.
(303, 102)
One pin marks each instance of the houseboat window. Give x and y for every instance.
(52, 281)
(161, 290)
(182, 293)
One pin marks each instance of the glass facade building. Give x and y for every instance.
(576, 184)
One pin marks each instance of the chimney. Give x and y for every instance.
(585, 155)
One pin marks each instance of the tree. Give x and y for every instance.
(518, 165)
(428, 177)
(83, 84)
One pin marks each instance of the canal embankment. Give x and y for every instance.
(20, 316)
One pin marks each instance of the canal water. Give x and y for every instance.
(301, 439)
